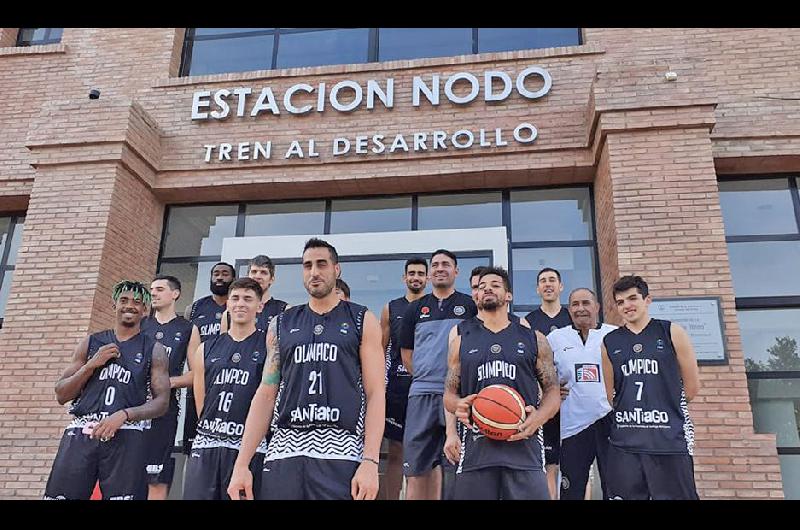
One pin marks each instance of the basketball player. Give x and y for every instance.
(205, 316)
(452, 443)
(322, 395)
(107, 382)
(548, 317)
(342, 290)
(227, 370)
(650, 374)
(423, 348)
(262, 270)
(495, 348)
(173, 332)
(585, 414)
(398, 380)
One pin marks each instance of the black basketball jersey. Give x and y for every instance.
(321, 404)
(270, 311)
(507, 357)
(398, 380)
(232, 374)
(206, 314)
(544, 324)
(121, 383)
(650, 410)
(174, 336)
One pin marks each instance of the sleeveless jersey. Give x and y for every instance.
(232, 375)
(121, 383)
(270, 311)
(507, 357)
(321, 405)
(398, 380)
(544, 324)
(206, 314)
(174, 336)
(650, 410)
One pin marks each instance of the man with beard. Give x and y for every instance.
(423, 348)
(549, 317)
(107, 382)
(262, 270)
(228, 368)
(585, 413)
(205, 315)
(398, 380)
(494, 348)
(322, 395)
(173, 332)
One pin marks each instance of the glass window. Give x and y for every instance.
(288, 284)
(551, 215)
(757, 207)
(195, 281)
(5, 224)
(36, 36)
(776, 409)
(411, 43)
(470, 210)
(4, 290)
(15, 241)
(314, 48)
(505, 39)
(285, 219)
(790, 475)
(370, 215)
(238, 54)
(199, 230)
(765, 268)
(576, 265)
(770, 338)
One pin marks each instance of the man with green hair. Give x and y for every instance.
(107, 382)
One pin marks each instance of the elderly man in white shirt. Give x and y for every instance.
(585, 412)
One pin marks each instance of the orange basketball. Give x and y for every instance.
(497, 411)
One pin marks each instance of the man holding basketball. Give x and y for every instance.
(494, 349)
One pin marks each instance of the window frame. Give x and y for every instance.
(770, 302)
(41, 42)
(4, 266)
(373, 44)
(505, 204)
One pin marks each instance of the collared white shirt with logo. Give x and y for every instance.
(580, 366)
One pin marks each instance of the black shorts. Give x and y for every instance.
(306, 478)
(577, 453)
(81, 462)
(424, 436)
(159, 441)
(551, 431)
(396, 405)
(641, 476)
(501, 483)
(209, 471)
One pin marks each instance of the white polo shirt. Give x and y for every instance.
(580, 366)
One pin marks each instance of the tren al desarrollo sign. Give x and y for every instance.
(349, 96)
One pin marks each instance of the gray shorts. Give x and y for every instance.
(424, 436)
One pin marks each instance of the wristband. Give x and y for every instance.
(127, 416)
(368, 459)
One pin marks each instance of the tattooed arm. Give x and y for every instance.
(551, 396)
(259, 417)
(455, 408)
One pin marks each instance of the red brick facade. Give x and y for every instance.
(96, 175)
